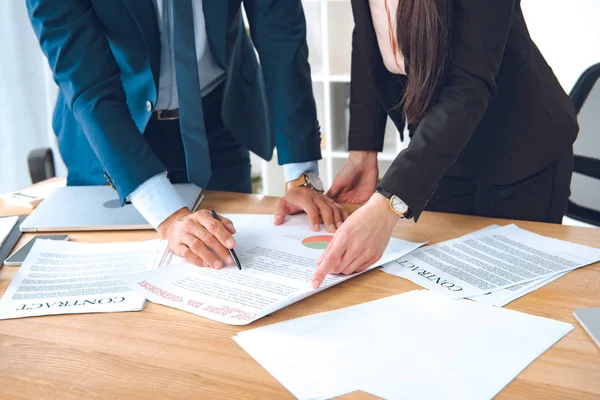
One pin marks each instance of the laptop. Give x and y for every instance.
(589, 318)
(94, 208)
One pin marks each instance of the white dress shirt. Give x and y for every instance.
(156, 199)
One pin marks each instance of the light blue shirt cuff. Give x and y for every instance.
(156, 199)
(293, 171)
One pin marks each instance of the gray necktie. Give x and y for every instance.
(191, 114)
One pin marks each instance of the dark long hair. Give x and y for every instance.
(424, 35)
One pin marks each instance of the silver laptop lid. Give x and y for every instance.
(589, 318)
(93, 208)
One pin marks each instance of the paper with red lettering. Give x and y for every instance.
(72, 278)
(278, 266)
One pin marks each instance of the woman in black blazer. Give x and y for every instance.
(491, 128)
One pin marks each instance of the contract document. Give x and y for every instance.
(491, 260)
(278, 263)
(500, 298)
(73, 278)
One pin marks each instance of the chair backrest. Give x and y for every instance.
(41, 164)
(584, 203)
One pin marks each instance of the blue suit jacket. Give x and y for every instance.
(105, 57)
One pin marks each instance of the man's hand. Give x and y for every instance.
(318, 208)
(357, 180)
(199, 238)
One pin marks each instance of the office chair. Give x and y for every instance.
(584, 203)
(41, 164)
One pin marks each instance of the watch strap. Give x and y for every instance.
(302, 181)
(385, 193)
(299, 182)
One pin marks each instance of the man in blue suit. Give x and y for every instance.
(161, 91)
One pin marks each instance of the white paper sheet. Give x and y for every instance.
(278, 266)
(6, 225)
(502, 297)
(418, 345)
(33, 196)
(68, 278)
(489, 261)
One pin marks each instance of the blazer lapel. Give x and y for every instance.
(215, 16)
(144, 14)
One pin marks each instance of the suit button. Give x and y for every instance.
(149, 106)
(108, 180)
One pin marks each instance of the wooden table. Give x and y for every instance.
(166, 353)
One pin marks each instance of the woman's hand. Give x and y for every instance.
(317, 206)
(356, 181)
(360, 242)
(199, 238)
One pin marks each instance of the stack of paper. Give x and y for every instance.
(67, 278)
(495, 265)
(418, 345)
(6, 225)
(278, 266)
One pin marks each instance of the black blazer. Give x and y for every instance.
(501, 114)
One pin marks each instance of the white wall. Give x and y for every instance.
(567, 33)
(27, 96)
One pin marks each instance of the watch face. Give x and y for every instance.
(398, 205)
(314, 180)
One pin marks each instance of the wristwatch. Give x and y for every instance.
(396, 204)
(307, 179)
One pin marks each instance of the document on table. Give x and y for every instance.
(417, 345)
(6, 225)
(502, 297)
(488, 261)
(33, 196)
(68, 278)
(278, 266)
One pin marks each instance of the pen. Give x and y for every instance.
(18, 195)
(231, 251)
